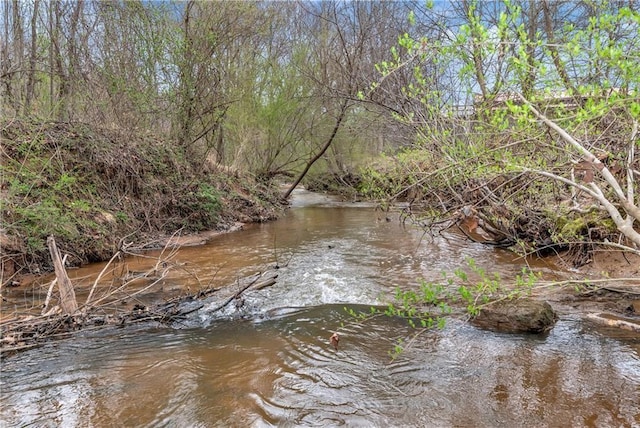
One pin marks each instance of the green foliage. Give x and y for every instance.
(392, 175)
(122, 217)
(210, 198)
(463, 292)
(208, 206)
(42, 219)
(397, 350)
(469, 288)
(582, 75)
(65, 183)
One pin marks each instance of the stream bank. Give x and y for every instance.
(97, 190)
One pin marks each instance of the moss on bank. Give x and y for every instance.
(93, 188)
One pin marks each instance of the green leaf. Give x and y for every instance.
(412, 18)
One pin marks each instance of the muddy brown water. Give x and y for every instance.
(273, 366)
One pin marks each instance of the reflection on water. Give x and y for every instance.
(282, 372)
(277, 369)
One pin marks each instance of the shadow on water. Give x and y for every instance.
(282, 371)
(277, 368)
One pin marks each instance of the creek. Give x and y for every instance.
(273, 365)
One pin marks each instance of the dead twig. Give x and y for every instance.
(104, 269)
(258, 286)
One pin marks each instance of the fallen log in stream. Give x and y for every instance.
(613, 320)
(18, 334)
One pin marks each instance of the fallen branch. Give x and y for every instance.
(24, 333)
(48, 298)
(626, 200)
(611, 320)
(257, 286)
(626, 282)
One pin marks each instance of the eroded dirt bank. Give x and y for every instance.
(610, 282)
(97, 190)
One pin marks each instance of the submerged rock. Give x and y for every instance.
(517, 316)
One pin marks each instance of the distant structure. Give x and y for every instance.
(551, 99)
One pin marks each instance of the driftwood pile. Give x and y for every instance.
(21, 333)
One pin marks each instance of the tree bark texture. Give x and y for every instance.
(68, 302)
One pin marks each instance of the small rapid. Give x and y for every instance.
(330, 252)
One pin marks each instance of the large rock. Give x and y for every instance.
(517, 316)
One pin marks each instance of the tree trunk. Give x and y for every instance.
(187, 81)
(74, 62)
(6, 74)
(29, 93)
(63, 86)
(50, 18)
(68, 302)
(18, 54)
(528, 82)
(476, 53)
(343, 111)
(625, 226)
(555, 55)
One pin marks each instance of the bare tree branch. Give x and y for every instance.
(624, 225)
